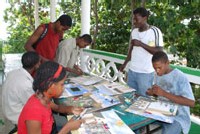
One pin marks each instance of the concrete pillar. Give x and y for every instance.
(53, 10)
(36, 15)
(85, 16)
(85, 27)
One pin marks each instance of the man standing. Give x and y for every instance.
(68, 51)
(46, 37)
(146, 40)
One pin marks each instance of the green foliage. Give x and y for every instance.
(72, 9)
(114, 28)
(21, 20)
(180, 38)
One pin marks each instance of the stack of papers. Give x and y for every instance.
(104, 100)
(86, 80)
(159, 110)
(115, 124)
(113, 88)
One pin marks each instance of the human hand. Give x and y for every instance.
(135, 42)
(77, 110)
(121, 69)
(157, 90)
(74, 124)
(78, 71)
(149, 91)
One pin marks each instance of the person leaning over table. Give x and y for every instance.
(146, 40)
(17, 87)
(173, 85)
(36, 116)
(46, 47)
(68, 52)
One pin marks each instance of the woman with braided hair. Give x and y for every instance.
(36, 116)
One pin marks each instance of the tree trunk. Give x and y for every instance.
(96, 25)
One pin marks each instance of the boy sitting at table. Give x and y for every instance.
(173, 85)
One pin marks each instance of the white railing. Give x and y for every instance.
(103, 63)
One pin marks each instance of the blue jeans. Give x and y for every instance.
(140, 81)
(171, 128)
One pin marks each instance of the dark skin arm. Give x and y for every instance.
(77, 70)
(33, 38)
(66, 109)
(150, 49)
(135, 42)
(34, 127)
(156, 90)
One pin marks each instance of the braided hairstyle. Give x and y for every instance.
(48, 73)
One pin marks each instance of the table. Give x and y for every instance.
(132, 120)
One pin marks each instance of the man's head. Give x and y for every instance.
(63, 23)
(30, 60)
(160, 63)
(140, 16)
(84, 40)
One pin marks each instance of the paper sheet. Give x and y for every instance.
(115, 124)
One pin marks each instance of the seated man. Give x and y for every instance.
(68, 51)
(173, 85)
(17, 87)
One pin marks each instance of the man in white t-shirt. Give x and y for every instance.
(17, 87)
(68, 51)
(146, 40)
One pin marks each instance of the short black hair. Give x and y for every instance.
(141, 11)
(65, 20)
(44, 77)
(160, 56)
(30, 59)
(87, 38)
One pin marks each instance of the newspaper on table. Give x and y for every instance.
(73, 90)
(157, 109)
(115, 124)
(113, 88)
(86, 80)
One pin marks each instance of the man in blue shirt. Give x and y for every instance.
(173, 85)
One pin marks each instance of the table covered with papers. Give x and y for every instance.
(104, 98)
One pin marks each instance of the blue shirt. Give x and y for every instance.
(177, 83)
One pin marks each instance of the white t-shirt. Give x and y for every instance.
(140, 58)
(67, 53)
(17, 88)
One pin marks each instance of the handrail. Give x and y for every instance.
(192, 74)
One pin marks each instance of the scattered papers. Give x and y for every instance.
(104, 100)
(163, 107)
(86, 80)
(113, 88)
(75, 90)
(115, 124)
(93, 125)
(158, 110)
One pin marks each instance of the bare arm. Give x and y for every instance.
(66, 109)
(70, 125)
(33, 127)
(156, 90)
(33, 38)
(77, 71)
(150, 49)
